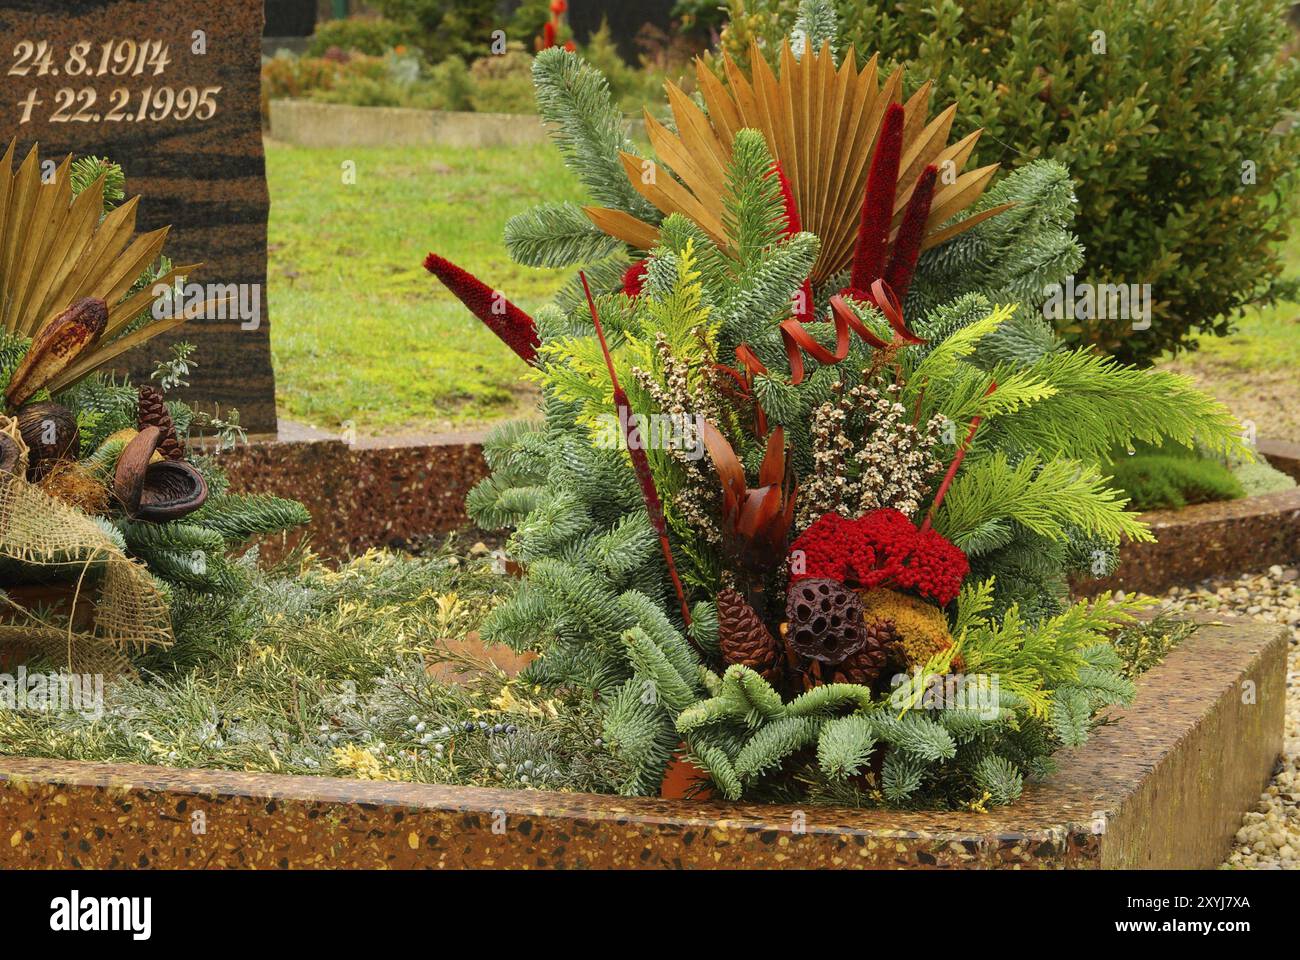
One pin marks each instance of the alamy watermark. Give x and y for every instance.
(978, 693)
(655, 431)
(80, 693)
(212, 301)
(1098, 301)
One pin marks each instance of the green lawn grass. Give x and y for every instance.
(360, 331)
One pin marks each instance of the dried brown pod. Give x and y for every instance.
(156, 491)
(50, 431)
(825, 621)
(56, 346)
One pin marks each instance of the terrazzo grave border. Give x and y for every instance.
(1164, 787)
(375, 494)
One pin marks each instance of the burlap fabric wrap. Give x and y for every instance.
(130, 614)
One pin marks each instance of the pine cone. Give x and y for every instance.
(744, 638)
(153, 413)
(825, 620)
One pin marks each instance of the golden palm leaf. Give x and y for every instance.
(821, 123)
(56, 250)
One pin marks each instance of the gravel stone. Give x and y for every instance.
(1269, 838)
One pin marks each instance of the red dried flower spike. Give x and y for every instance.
(878, 203)
(501, 316)
(881, 548)
(907, 248)
(802, 310)
(634, 278)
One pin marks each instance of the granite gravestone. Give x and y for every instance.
(170, 89)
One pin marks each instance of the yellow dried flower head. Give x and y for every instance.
(922, 627)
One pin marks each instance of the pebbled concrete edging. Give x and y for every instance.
(1162, 788)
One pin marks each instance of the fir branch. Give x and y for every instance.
(1046, 497)
(774, 743)
(573, 99)
(556, 235)
(844, 746)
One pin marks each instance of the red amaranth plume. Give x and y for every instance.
(902, 265)
(882, 549)
(634, 278)
(640, 462)
(793, 225)
(501, 316)
(878, 203)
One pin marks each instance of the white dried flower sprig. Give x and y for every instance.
(698, 496)
(890, 467)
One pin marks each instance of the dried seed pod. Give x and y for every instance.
(156, 491)
(56, 347)
(825, 620)
(172, 489)
(50, 432)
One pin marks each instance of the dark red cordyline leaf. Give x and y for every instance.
(509, 323)
(634, 278)
(878, 202)
(902, 265)
(640, 462)
(793, 225)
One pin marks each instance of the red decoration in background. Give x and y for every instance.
(793, 225)
(501, 316)
(878, 205)
(551, 29)
(634, 278)
(882, 548)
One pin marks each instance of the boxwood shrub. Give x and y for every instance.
(1173, 116)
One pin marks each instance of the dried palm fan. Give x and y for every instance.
(55, 251)
(820, 123)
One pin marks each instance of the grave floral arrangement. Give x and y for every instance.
(101, 496)
(812, 471)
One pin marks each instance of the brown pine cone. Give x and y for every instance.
(744, 638)
(825, 620)
(153, 413)
(865, 666)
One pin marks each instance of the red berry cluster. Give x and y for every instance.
(881, 548)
